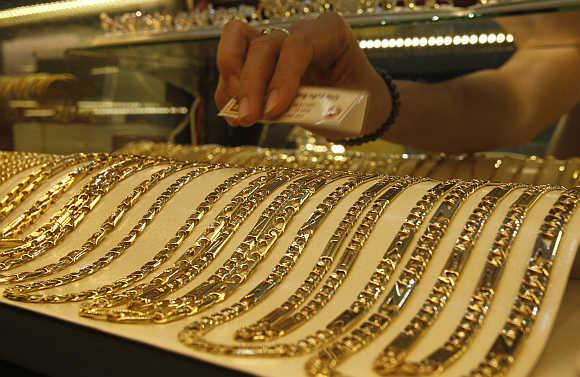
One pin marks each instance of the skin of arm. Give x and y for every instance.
(491, 108)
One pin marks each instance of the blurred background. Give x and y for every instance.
(95, 75)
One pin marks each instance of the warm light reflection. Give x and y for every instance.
(438, 41)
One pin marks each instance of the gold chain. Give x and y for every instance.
(22, 292)
(41, 205)
(294, 251)
(111, 223)
(30, 183)
(192, 335)
(70, 216)
(392, 358)
(527, 304)
(479, 303)
(240, 206)
(284, 319)
(14, 164)
(272, 222)
(326, 361)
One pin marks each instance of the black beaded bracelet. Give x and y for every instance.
(379, 132)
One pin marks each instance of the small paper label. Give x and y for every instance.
(324, 108)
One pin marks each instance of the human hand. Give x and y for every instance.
(264, 71)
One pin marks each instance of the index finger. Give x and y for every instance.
(233, 46)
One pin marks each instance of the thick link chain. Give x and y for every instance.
(326, 361)
(527, 304)
(192, 335)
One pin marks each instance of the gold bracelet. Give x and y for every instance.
(285, 318)
(527, 304)
(392, 359)
(68, 218)
(203, 251)
(149, 307)
(326, 361)
(192, 335)
(481, 299)
(111, 222)
(31, 182)
(294, 251)
(41, 205)
(22, 292)
(13, 165)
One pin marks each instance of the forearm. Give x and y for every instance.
(455, 116)
(492, 108)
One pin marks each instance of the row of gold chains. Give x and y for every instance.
(71, 215)
(192, 335)
(288, 317)
(327, 359)
(149, 306)
(32, 181)
(527, 304)
(43, 203)
(22, 292)
(14, 164)
(201, 253)
(393, 359)
(112, 221)
(297, 246)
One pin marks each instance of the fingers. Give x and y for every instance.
(295, 57)
(222, 97)
(261, 59)
(264, 72)
(232, 48)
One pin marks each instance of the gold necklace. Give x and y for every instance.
(111, 222)
(192, 335)
(392, 359)
(68, 218)
(527, 304)
(242, 204)
(286, 318)
(41, 205)
(326, 361)
(148, 306)
(31, 182)
(22, 292)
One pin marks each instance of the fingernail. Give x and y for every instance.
(272, 101)
(244, 109)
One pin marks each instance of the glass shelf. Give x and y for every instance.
(402, 17)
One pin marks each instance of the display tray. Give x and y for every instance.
(132, 255)
(29, 343)
(120, 357)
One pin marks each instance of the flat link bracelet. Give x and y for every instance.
(22, 292)
(192, 335)
(244, 259)
(197, 257)
(41, 205)
(482, 297)
(111, 223)
(326, 361)
(30, 183)
(391, 359)
(66, 220)
(13, 165)
(282, 321)
(527, 304)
